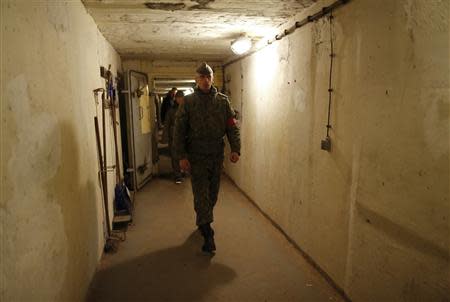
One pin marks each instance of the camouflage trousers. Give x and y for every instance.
(205, 179)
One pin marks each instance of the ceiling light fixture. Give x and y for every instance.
(241, 45)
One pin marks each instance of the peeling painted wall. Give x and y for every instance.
(51, 205)
(374, 212)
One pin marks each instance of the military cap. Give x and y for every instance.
(204, 69)
(179, 93)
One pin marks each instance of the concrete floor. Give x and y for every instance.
(161, 258)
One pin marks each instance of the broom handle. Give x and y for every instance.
(103, 174)
(105, 163)
(113, 114)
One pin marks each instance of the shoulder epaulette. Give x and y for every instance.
(222, 96)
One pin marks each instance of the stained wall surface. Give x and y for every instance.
(187, 30)
(51, 204)
(374, 212)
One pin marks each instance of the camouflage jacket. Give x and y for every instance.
(202, 122)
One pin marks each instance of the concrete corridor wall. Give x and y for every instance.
(51, 204)
(374, 212)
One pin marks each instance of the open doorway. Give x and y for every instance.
(161, 88)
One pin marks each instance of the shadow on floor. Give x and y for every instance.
(180, 273)
(166, 176)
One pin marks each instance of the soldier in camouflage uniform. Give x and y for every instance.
(200, 126)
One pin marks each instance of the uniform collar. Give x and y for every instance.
(212, 91)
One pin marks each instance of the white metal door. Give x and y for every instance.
(141, 126)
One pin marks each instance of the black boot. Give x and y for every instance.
(205, 229)
(207, 232)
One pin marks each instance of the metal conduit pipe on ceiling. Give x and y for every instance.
(323, 12)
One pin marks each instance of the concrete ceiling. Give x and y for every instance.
(187, 30)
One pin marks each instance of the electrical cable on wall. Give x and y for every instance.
(326, 143)
(325, 11)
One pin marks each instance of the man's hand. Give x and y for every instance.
(234, 157)
(185, 166)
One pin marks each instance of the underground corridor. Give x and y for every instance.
(225, 150)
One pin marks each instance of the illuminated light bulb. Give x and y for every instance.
(241, 45)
